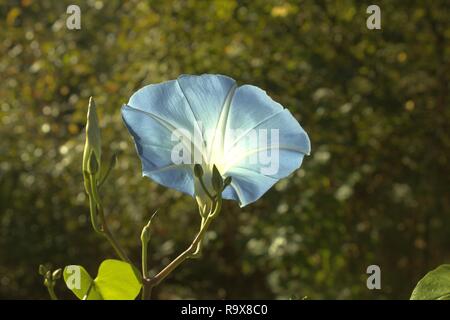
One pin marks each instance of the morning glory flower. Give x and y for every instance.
(209, 120)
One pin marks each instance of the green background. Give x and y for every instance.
(375, 103)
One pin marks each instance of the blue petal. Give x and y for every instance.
(280, 133)
(249, 186)
(178, 177)
(154, 146)
(250, 106)
(230, 193)
(252, 109)
(209, 97)
(209, 107)
(255, 114)
(166, 103)
(148, 133)
(191, 103)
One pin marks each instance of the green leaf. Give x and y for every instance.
(80, 282)
(434, 286)
(118, 280)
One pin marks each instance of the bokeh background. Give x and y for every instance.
(375, 103)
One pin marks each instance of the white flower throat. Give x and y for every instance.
(255, 147)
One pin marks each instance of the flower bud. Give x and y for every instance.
(217, 181)
(42, 269)
(198, 170)
(145, 234)
(47, 282)
(93, 142)
(93, 164)
(227, 182)
(57, 274)
(146, 231)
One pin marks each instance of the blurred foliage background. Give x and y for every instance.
(375, 103)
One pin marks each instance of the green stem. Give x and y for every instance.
(145, 289)
(205, 189)
(93, 211)
(144, 259)
(120, 252)
(105, 229)
(199, 245)
(145, 238)
(189, 251)
(51, 291)
(92, 205)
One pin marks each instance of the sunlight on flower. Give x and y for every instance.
(209, 120)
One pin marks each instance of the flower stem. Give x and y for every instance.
(146, 292)
(145, 239)
(199, 245)
(105, 231)
(144, 259)
(145, 289)
(189, 251)
(205, 189)
(92, 205)
(51, 291)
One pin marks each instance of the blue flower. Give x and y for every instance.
(209, 120)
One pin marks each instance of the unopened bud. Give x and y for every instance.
(93, 164)
(227, 182)
(42, 270)
(93, 142)
(198, 170)
(57, 274)
(217, 181)
(146, 231)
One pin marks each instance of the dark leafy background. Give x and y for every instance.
(375, 103)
